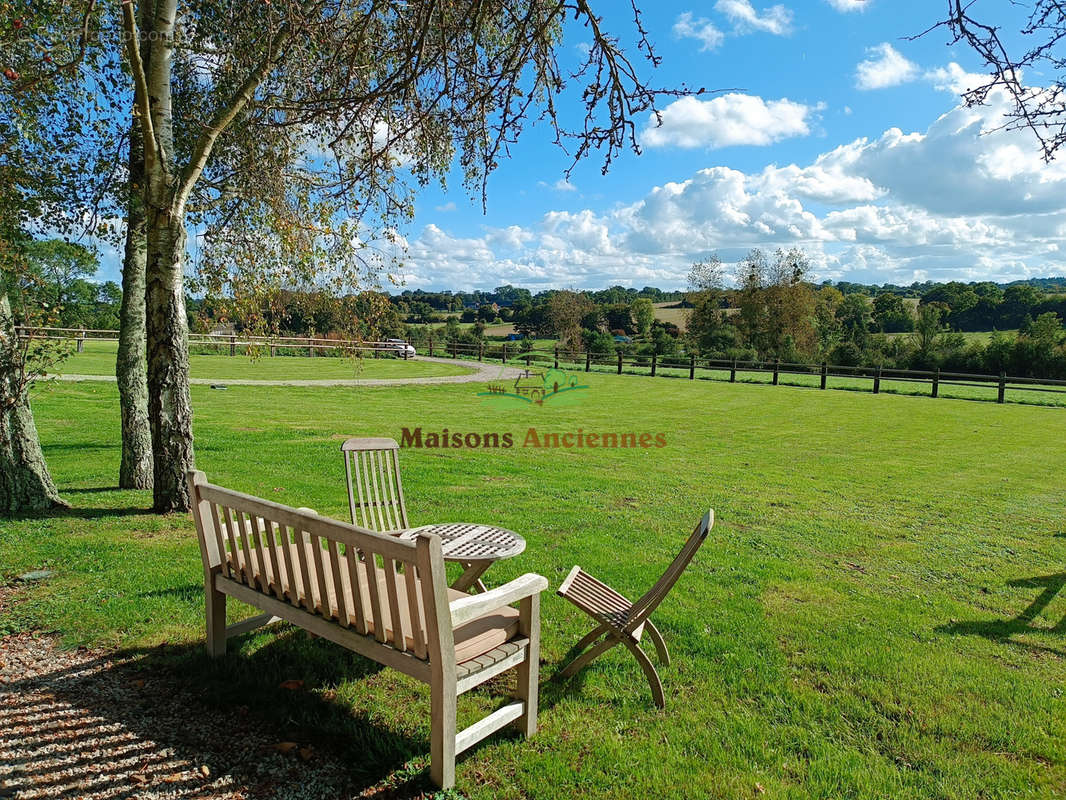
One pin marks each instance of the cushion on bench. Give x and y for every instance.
(473, 639)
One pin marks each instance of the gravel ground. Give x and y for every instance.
(483, 373)
(94, 724)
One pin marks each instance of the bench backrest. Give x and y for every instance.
(375, 491)
(380, 586)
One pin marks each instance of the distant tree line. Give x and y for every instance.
(772, 311)
(775, 313)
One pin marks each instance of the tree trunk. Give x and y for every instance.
(25, 484)
(169, 407)
(135, 471)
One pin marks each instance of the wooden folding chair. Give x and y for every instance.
(375, 491)
(623, 622)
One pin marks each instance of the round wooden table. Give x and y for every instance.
(474, 546)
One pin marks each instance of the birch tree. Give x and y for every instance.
(340, 108)
(53, 156)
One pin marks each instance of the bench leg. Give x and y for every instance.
(442, 735)
(529, 669)
(215, 602)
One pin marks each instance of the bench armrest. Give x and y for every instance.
(467, 608)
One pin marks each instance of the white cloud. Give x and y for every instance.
(563, 185)
(955, 79)
(884, 67)
(702, 29)
(446, 207)
(846, 6)
(776, 19)
(955, 201)
(732, 119)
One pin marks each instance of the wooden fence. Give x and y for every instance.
(234, 343)
(778, 372)
(689, 366)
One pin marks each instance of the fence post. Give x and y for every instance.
(654, 360)
(480, 350)
(692, 366)
(825, 373)
(936, 383)
(733, 372)
(619, 361)
(232, 345)
(503, 358)
(588, 361)
(777, 370)
(557, 356)
(1002, 387)
(431, 345)
(81, 341)
(310, 347)
(273, 351)
(877, 381)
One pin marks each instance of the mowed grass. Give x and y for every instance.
(876, 614)
(98, 358)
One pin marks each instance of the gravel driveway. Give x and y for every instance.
(92, 724)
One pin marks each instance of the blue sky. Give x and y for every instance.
(840, 136)
(837, 135)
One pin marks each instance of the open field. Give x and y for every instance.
(877, 613)
(670, 312)
(98, 358)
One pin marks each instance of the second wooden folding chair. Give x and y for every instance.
(622, 622)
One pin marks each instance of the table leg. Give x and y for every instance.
(471, 576)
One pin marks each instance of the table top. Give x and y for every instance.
(466, 541)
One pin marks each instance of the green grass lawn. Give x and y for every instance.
(876, 614)
(98, 358)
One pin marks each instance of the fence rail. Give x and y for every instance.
(690, 366)
(233, 341)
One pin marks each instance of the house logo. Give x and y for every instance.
(535, 387)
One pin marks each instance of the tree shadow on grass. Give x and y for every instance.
(1005, 630)
(170, 720)
(71, 512)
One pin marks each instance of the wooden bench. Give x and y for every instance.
(380, 596)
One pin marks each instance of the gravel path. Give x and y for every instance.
(103, 726)
(483, 372)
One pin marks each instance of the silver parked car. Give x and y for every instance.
(399, 347)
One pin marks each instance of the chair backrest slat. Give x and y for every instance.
(375, 489)
(399, 630)
(338, 585)
(307, 588)
(355, 578)
(643, 608)
(414, 607)
(373, 468)
(319, 576)
(259, 546)
(277, 573)
(292, 593)
(213, 523)
(373, 575)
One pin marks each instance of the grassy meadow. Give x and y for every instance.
(876, 614)
(98, 358)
